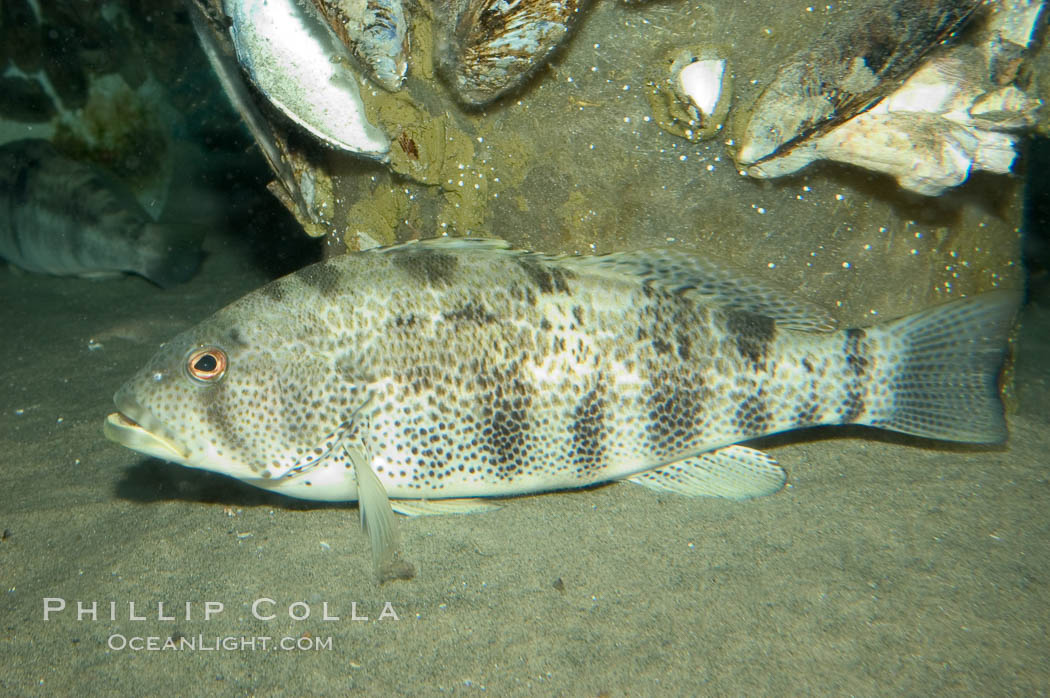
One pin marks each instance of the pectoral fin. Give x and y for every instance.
(733, 472)
(378, 520)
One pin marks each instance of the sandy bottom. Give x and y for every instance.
(888, 566)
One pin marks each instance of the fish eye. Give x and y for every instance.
(206, 365)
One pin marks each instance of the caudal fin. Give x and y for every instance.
(944, 381)
(171, 254)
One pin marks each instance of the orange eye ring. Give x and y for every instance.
(207, 365)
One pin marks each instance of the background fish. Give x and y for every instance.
(61, 216)
(453, 369)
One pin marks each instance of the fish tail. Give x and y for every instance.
(941, 369)
(171, 252)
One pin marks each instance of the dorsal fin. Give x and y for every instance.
(675, 271)
(450, 244)
(691, 274)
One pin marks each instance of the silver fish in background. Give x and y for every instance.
(61, 216)
(435, 372)
(495, 46)
(852, 65)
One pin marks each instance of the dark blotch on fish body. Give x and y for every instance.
(858, 366)
(323, 277)
(549, 279)
(470, 312)
(589, 430)
(676, 404)
(752, 333)
(427, 266)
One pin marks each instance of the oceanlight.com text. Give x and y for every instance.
(215, 643)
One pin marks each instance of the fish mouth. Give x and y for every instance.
(135, 426)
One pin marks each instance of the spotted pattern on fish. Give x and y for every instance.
(462, 368)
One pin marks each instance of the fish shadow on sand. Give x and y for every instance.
(152, 480)
(844, 432)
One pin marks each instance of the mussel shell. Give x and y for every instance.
(853, 64)
(375, 32)
(497, 45)
(292, 57)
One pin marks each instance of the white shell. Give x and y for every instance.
(701, 82)
(931, 133)
(292, 56)
(1014, 20)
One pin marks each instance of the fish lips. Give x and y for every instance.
(135, 427)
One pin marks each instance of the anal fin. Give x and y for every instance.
(440, 507)
(733, 472)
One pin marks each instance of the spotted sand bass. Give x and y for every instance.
(436, 372)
